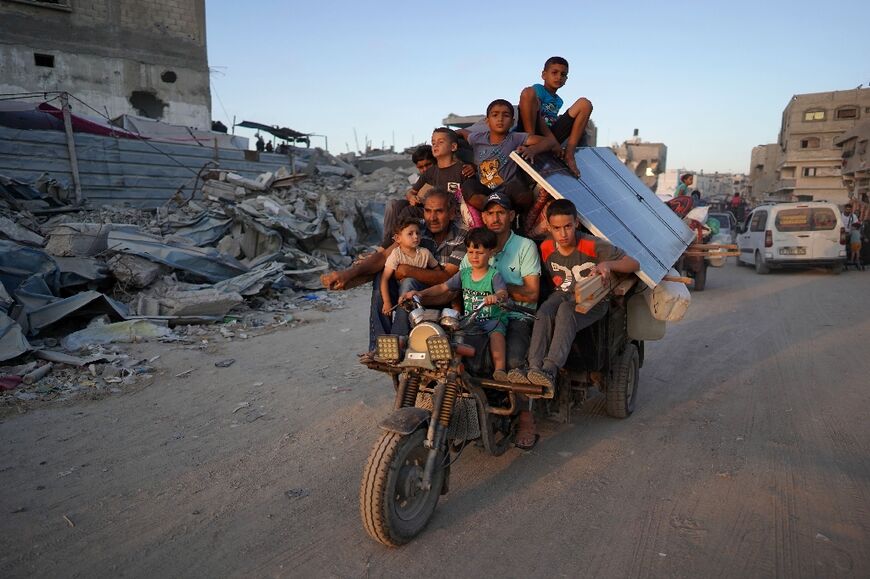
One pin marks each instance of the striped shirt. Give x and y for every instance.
(451, 250)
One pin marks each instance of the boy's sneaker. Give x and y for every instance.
(500, 376)
(518, 376)
(541, 377)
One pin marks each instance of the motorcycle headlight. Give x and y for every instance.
(388, 348)
(421, 333)
(439, 348)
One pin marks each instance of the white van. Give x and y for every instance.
(793, 235)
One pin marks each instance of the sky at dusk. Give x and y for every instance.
(710, 80)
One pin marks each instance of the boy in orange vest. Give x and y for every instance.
(564, 257)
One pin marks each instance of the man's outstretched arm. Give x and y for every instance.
(373, 264)
(429, 277)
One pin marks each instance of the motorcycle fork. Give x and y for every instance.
(408, 389)
(443, 402)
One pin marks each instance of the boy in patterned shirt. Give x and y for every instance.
(492, 149)
(564, 257)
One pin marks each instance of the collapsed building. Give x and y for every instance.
(646, 160)
(161, 237)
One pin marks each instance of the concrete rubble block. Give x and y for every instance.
(349, 169)
(230, 245)
(260, 184)
(255, 239)
(330, 170)
(78, 239)
(135, 271)
(181, 303)
(220, 191)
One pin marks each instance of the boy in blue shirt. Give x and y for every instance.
(539, 112)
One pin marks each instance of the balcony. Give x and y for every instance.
(784, 185)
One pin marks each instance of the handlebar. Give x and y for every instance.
(468, 319)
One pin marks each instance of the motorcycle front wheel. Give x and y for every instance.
(393, 506)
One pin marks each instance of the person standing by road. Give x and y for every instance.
(849, 219)
(738, 207)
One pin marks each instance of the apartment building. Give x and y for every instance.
(808, 164)
(140, 57)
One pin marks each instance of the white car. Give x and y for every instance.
(793, 235)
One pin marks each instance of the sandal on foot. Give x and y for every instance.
(526, 436)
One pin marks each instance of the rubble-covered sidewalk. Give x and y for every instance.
(235, 259)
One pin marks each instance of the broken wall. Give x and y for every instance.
(129, 171)
(145, 57)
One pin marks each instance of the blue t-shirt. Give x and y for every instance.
(518, 258)
(551, 104)
(494, 165)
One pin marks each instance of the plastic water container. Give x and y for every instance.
(641, 323)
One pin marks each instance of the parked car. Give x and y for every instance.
(727, 227)
(793, 235)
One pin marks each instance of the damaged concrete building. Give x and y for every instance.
(763, 175)
(140, 57)
(646, 160)
(856, 161)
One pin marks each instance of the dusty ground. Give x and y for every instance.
(748, 455)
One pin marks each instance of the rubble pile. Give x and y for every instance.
(234, 260)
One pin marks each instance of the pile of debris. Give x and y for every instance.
(241, 253)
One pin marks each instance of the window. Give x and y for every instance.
(814, 116)
(810, 171)
(862, 147)
(805, 219)
(759, 218)
(46, 60)
(811, 143)
(850, 112)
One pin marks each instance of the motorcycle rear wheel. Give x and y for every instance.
(393, 507)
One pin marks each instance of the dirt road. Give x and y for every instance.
(748, 455)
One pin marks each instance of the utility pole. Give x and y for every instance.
(71, 146)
